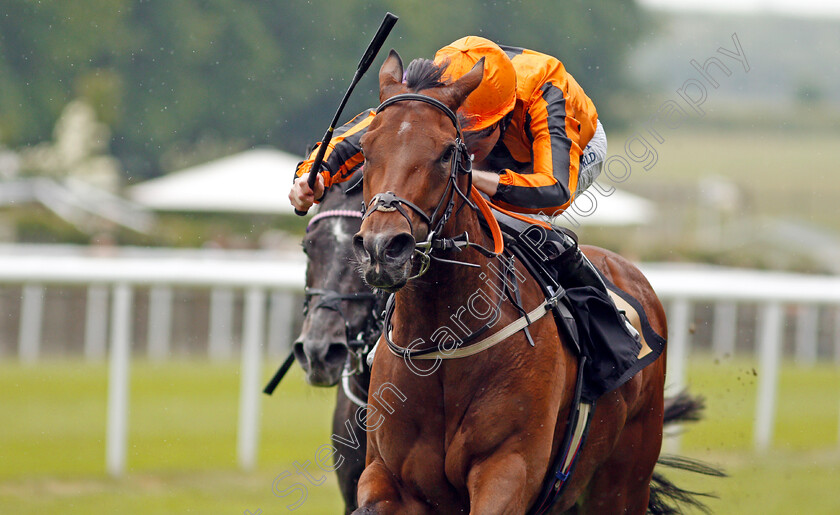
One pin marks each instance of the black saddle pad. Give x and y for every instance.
(614, 356)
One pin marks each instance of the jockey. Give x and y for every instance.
(535, 136)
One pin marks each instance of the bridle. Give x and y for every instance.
(461, 165)
(358, 344)
(389, 201)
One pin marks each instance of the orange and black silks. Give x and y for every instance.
(537, 158)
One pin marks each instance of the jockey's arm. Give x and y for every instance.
(556, 150)
(342, 157)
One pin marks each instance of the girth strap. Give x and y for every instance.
(577, 428)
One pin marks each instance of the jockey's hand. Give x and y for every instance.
(486, 182)
(301, 195)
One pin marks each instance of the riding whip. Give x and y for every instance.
(278, 376)
(364, 64)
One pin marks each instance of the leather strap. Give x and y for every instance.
(495, 230)
(523, 218)
(422, 98)
(508, 331)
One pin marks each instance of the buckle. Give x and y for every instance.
(555, 297)
(424, 264)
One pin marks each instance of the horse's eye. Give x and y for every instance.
(447, 154)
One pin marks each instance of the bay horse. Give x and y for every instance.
(341, 321)
(478, 434)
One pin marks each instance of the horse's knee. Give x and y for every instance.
(377, 493)
(498, 485)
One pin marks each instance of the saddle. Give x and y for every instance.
(592, 322)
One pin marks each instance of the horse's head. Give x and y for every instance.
(338, 304)
(412, 150)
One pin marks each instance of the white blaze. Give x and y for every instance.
(338, 232)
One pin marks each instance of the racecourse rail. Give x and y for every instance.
(263, 276)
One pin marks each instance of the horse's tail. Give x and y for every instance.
(683, 407)
(666, 498)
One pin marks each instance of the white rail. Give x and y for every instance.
(741, 285)
(262, 278)
(724, 288)
(121, 275)
(179, 271)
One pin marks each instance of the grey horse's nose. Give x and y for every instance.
(318, 355)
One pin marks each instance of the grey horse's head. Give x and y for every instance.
(339, 306)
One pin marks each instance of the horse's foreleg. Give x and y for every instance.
(377, 492)
(352, 460)
(379, 495)
(497, 485)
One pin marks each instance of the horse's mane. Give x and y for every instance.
(424, 74)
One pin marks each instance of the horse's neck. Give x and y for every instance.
(446, 286)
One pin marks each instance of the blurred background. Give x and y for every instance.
(146, 151)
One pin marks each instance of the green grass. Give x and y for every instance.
(801, 471)
(779, 174)
(808, 407)
(182, 440)
(183, 437)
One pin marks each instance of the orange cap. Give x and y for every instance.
(496, 95)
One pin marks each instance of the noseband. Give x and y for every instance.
(461, 165)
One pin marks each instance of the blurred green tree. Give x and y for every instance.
(213, 76)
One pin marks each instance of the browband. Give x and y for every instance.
(423, 98)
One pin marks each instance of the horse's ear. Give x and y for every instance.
(390, 75)
(461, 88)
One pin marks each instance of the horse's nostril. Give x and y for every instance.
(359, 248)
(300, 355)
(336, 354)
(400, 247)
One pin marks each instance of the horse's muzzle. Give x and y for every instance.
(384, 259)
(323, 362)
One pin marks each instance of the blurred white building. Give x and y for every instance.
(73, 176)
(254, 181)
(258, 181)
